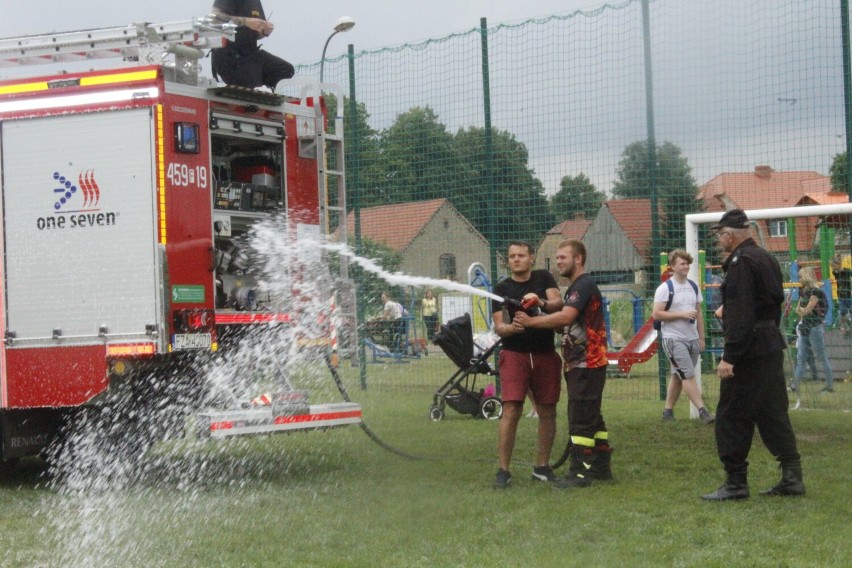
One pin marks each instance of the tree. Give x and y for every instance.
(576, 195)
(520, 206)
(839, 172)
(419, 159)
(364, 171)
(677, 191)
(370, 285)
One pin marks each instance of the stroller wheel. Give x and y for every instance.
(436, 413)
(491, 408)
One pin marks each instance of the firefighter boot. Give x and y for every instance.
(579, 469)
(735, 487)
(601, 466)
(791, 483)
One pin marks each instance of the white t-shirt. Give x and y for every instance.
(393, 310)
(684, 299)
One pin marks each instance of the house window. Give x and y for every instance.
(447, 266)
(778, 228)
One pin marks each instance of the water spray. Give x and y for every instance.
(401, 279)
(250, 418)
(530, 306)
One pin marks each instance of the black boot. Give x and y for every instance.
(579, 469)
(791, 483)
(735, 487)
(601, 463)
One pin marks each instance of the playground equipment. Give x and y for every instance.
(639, 349)
(477, 277)
(642, 346)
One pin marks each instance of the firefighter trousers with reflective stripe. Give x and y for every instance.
(585, 393)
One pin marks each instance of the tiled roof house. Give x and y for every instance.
(546, 250)
(434, 238)
(619, 239)
(764, 188)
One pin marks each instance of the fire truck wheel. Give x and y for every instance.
(7, 466)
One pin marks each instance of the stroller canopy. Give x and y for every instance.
(455, 338)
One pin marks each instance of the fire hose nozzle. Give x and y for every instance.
(530, 307)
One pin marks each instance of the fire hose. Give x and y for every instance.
(370, 434)
(529, 306)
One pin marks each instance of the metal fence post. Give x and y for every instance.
(355, 193)
(652, 167)
(489, 149)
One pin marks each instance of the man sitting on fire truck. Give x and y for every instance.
(241, 62)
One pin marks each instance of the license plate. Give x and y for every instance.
(192, 341)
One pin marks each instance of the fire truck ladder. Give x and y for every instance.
(331, 174)
(331, 179)
(140, 43)
(332, 186)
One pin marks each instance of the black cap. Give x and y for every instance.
(733, 219)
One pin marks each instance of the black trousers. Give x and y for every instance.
(755, 395)
(431, 322)
(249, 70)
(585, 393)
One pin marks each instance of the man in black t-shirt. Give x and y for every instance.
(583, 326)
(528, 361)
(241, 62)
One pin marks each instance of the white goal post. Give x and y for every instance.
(693, 221)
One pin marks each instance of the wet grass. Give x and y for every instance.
(335, 498)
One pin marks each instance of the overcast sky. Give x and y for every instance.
(301, 28)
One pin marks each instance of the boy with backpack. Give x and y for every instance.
(677, 306)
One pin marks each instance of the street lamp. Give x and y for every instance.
(344, 24)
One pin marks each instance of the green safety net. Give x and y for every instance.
(608, 126)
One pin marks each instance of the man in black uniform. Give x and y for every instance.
(241, 62)
(752, 388)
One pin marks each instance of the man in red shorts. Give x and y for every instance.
(584, 352)
(527, 362)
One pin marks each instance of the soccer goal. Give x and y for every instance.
(771, 229)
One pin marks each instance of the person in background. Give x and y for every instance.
(533, 413)
(527, 361)
(843, 277)
(241, 62)
(392, 316)
(810, 331)
(584, 352)
(682, 331)
(429, 308)
(712, 284)
(391, 310)
(751, 372)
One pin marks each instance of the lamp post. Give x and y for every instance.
(344, 24)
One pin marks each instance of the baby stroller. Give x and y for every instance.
(459, 392)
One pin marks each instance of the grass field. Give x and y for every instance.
(337, 499)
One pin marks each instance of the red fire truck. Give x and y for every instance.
(126, 194)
